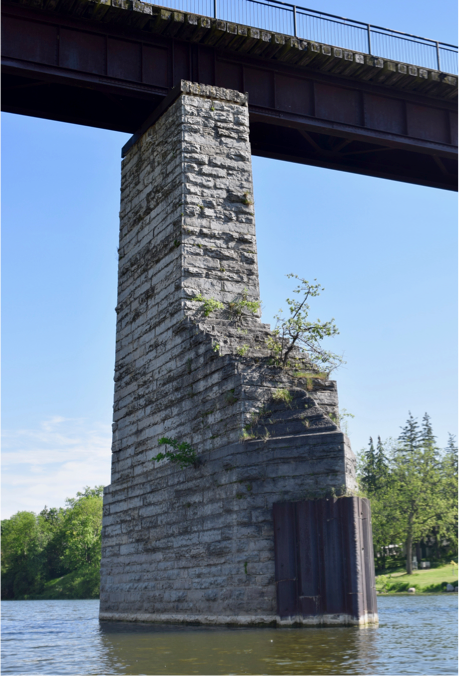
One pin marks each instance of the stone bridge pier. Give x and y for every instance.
(254, 532)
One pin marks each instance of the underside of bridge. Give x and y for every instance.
(110, 64)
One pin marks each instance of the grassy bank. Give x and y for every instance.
(432, 580)
(80, 584)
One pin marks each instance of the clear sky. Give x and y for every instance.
(385, 252)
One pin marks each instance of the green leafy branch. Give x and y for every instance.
(297, 331)
(236, 308)
(208, 304)
(239, 306)
(183, 453)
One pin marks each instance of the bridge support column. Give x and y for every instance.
(196, 543)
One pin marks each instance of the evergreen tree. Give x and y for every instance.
(412, 489)
(381, 465)
(431, 456)
(410, 437)
(419, 492)
(450, 459)
(368, 478)
(450, 476)
(427, 437)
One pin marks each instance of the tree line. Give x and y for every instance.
(412, 485)
(37, 548)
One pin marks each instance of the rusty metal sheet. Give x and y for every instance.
(285, 560)
(385, 113)
(205, 66)
(332, 562)
(294, 94)
(310, 572)
(427, 123)
(325, 547)
(367, 543)
(338, 103)
(229, 75)
(82, 51)
(155, 66)
(352, 558)
(181, 62)
(258, 83)
(453, 127)
(124, 59)
(32, 41)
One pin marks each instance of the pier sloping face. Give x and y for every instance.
(196, 544)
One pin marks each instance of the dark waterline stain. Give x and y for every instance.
(416, 635)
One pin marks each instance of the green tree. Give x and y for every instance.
(417, 488)
(410, 437)
(412, 489)
(450, 477)
(81, 529)
(374, 478)
(384, 523)
(297, 331)
(426, 436)
(51, 521)
(39, 548)
(368, 468)
(381, 465)
(22, 544)
(450, 459)
(374, 467)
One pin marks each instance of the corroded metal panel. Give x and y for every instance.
(155, 65)
(286, 558)
(82, 51)
(324, 550)
(341, 104)
(29, 40)
(124, 59)
(310, 573)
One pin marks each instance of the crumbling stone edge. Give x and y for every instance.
(242, 620)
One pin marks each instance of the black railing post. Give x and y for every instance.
(295, 32)
(369, 38)
(215, 9)
(438, 57)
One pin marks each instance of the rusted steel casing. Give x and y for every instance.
(324, 561)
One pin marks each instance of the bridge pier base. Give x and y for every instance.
(196, 544)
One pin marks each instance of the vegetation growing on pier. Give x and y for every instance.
(182, 454)
(295, 331)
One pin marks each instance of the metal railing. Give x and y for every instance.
(308, 24)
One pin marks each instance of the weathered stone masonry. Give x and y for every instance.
(196, 544)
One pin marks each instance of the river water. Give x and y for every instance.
(416, 635)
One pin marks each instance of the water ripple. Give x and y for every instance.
(416, 635)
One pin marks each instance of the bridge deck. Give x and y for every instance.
(110, 63)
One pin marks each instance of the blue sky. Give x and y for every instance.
(385, 252)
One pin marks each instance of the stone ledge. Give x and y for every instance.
(241, 620)
(215, 93)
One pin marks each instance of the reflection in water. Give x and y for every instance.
(416, 635)
(145, 649)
